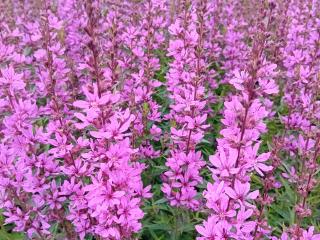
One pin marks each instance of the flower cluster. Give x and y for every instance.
(143, 37)
(186, 77)
(229, 198)
(47, 164)
(302, 138)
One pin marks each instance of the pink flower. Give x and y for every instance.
(60, 145)
(213, 229)
(12, 79)
(257, 162)
(239, 79)
(224, 162)
(309, 235)
(240, 192)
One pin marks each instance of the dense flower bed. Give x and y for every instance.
(160, 119)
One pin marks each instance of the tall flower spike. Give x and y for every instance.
(237, 152)
(143, 38)
(301, 139)
(185, 84)
(109, 205)
(29, 177)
